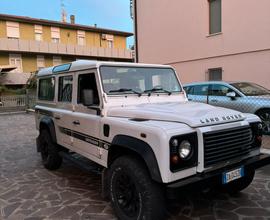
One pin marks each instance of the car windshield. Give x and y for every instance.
(251, 89)
(138, 80)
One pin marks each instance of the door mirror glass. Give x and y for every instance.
(231, 94)
(88, 97)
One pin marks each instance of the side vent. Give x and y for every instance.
(106, 130)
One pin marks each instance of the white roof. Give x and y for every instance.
(87, 64)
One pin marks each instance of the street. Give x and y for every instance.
(28, 191)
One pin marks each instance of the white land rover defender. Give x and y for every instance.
(135, 121)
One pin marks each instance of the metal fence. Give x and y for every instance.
(17, 103)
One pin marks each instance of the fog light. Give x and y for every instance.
(184, 149)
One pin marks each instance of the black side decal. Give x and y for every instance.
(86, 138)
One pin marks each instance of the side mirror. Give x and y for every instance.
(231, 95)
(88, 97)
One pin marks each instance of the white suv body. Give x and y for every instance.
(105, 110)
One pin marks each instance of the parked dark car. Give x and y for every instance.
(242, 96)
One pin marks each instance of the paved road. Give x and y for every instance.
(28, 191)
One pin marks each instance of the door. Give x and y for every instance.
(63, 112)
(198, 93)
(86, 119)
(218, 97)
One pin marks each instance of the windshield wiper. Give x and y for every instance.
(126, 90)
(157, 89)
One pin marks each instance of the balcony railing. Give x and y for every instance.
(31, 46)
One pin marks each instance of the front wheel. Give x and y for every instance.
(240, 184)
(264, 115)
(49, 152)
(134, 195)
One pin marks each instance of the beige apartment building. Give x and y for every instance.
(29, 44)
(207, 39)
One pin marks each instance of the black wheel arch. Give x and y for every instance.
(47, 123)
(123, 144)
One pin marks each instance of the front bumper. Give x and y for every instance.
(216, 175)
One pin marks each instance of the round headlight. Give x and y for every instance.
(184, 149)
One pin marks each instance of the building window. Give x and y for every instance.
(55, 34)
(16, 61)
(81, 37)
(13, 29)
(57, 61)
(215, 74)
(46, 89)
(38, 32)
(110, 43)
(65, 89)
(40, 62)
(214, 16)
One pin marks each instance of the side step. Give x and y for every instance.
(81, 162)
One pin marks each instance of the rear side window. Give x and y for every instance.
(201, 90)
(65, 89)
(46, 89)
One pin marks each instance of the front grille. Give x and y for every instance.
(224, 145)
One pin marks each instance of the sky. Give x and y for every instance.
(112, 14)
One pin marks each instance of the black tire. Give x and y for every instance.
(264, 115)
(240, 184)
(49, 152)
(133, 194)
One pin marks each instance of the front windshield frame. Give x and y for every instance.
(143, 92)
(261, 90)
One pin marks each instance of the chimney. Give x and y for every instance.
(72, 19)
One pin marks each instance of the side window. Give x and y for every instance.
(87, 82)
(46, 89)
(201, 90)
(65, 89)
(189, 90)
(219, 90)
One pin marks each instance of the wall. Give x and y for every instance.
(177, 32)
(27, 31)
(3, 29)
(29, 63)
(68, 36)
(4, 59)
(252, 67)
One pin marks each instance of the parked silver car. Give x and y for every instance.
(241, 96)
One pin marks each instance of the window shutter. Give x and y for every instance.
(13, 30)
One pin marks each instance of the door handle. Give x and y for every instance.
(76, 122)
(190, 99)
(214, 100)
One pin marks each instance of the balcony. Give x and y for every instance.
(30, 46)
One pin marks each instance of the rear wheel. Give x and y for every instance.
(134, 195)
(240, 184)
(49, 152)
(264, 115)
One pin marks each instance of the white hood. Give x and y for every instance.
(190, 113)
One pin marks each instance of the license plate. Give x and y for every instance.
(232, 175)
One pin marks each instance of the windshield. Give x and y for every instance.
(251, 89)
(138, 80)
